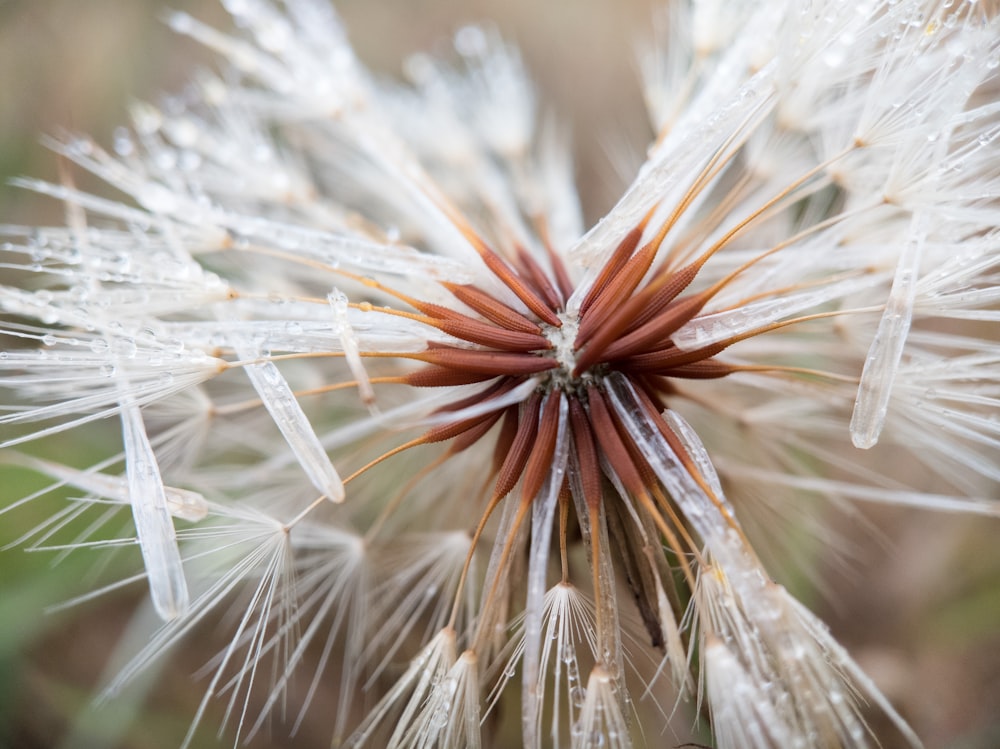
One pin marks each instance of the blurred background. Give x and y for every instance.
(918, 605)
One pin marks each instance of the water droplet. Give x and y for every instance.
(122, 142)
(126, 347)
(567, 653)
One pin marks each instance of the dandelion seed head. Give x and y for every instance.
(394, 419)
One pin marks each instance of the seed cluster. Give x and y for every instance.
(623, 325)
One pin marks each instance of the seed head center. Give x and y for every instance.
(563, 340)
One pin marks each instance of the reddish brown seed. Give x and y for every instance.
(456, 428)
(491, 309)
(520, 448)
(475, 432)
(539, 279)
(521, 290)
(611, 339)
(563, 282)
(470, 329)
(587, 458)
(508, 430)
(666, 360)
(497, 388)
(618, 289)
(540, 460)
(436, 377)
(709, 369)
(493, 363)
(669, 321)
(611, 268)
(646, 473)
(436, 311)
(493, 336)
(611, 444)
(650, 405)
(662, 291)
(559, 270)
(654, 386)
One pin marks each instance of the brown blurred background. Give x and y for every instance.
(920, 607)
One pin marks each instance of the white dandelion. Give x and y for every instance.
(421, 443)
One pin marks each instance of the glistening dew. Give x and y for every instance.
(392, 415)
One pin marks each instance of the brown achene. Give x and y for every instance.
(623, 326)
